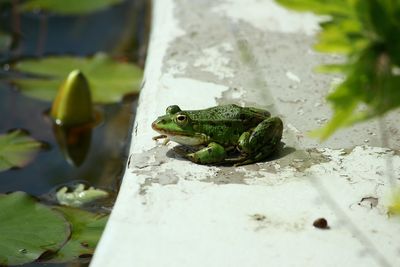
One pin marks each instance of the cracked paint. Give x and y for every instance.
(195, 215)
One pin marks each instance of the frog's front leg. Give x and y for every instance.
(261, 141)
(213, 153)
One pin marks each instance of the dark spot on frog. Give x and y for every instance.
(321, 223)
(242, 116)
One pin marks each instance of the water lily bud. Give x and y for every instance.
(73, 103)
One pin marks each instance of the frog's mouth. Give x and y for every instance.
(183, 138)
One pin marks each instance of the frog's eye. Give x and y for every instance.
(172, 109)
(181, 118)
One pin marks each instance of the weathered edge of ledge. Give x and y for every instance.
(171, 212)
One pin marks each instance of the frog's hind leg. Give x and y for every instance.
(213, 153)
(262, 140)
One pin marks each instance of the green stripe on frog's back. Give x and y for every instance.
(230, 112)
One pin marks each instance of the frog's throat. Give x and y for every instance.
(186, 139)
(195, 140)
(183, 138)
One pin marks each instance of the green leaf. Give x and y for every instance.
(28, 229)
(17, 149)
(368, 34)
(332, 68)
(340, 36)
(87, 228)
(108, 80)
(319, 6)
(394, 207)
(70, 7)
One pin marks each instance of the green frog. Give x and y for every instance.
(222, 134)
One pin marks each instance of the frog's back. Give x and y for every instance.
(230, 113)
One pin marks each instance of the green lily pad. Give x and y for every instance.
(17, 149)
(87, 228)
(28, 229)
(70, 7)
(109, 80)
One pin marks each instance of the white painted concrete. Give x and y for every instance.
(171, 212)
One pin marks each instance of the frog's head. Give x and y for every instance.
(178, 126)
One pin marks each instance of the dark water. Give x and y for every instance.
(122, 32)
(102, 166)
(116, 31)
(104, 30)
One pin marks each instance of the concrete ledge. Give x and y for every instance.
(171, 212)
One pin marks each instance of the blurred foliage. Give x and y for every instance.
(17, 149)
(109, 80)
(69, 7)
(28, 229)
(5, 41)
(367, 33)
(394, 207)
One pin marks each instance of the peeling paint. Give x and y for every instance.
(292, 76)
(195, 215)
(277, 19)
(216, 61)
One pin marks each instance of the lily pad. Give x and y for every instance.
(87, 228)
(28, 229)
(17, 149)
(70, 7)
(109, 80)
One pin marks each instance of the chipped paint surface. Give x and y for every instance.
(270, 16)
(171, 212)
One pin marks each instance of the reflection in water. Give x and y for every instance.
(74, 142)
(95, 154)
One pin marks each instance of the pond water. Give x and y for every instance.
(121, 31)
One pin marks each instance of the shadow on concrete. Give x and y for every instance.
(178, 152)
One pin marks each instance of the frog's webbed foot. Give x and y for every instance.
(162, 136)
(245, 162)
(247, 159)
(213, 153)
